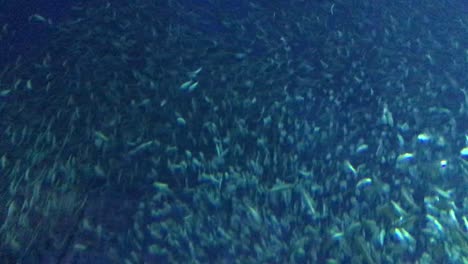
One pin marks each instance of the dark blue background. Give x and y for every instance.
(25, 37)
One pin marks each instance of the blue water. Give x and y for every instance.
(26, 37)
(431, 32)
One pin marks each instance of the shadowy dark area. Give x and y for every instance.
(21, 35)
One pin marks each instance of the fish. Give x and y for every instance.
(434, 222)
(363, 183)
(39, 18)
(349, 167)
(184, 86)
